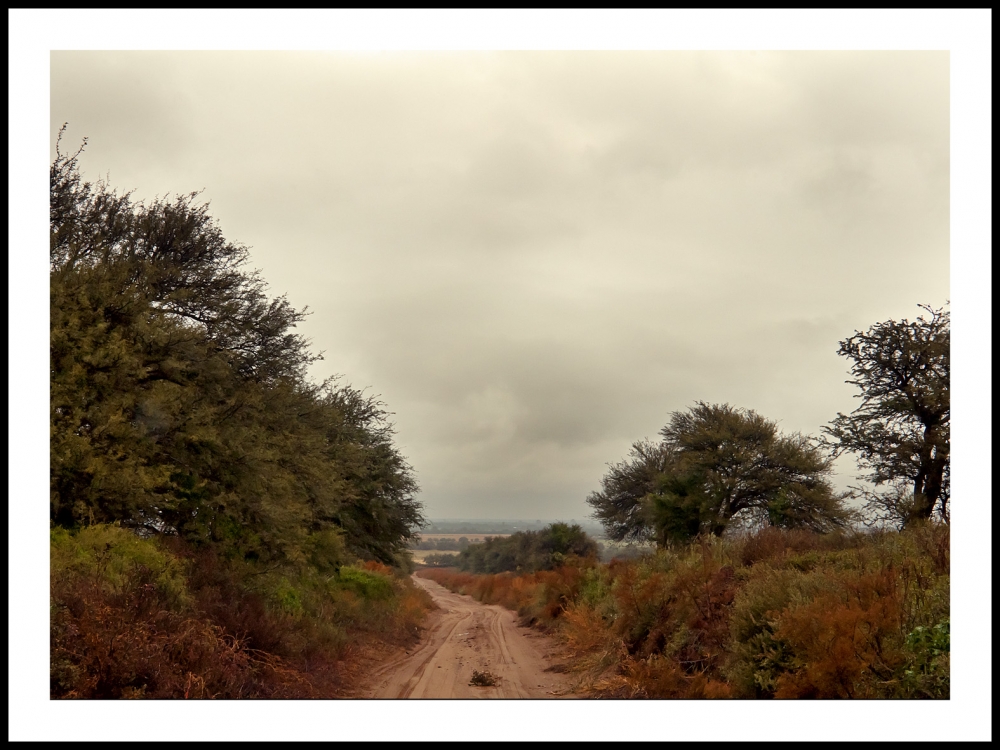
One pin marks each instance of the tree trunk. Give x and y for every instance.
(927, 484)
(934, 484)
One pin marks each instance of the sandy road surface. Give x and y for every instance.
(465, 635)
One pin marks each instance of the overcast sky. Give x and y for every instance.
(535, 257)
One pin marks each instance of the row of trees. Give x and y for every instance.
(179, 398)
(716, 465)
(528, 551)
(444, 543)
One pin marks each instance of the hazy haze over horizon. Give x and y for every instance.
(535, 257)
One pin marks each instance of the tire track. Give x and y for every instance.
(418, 675)
(464, 635)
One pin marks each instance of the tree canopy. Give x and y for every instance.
(901, 431)
(180, 402)
(528, 551)
(713, 464)
(618, 504)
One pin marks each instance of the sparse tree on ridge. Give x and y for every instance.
(901, 431)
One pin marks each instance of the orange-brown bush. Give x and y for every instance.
(134, 618)
(772, 544)
(842, 642)
(771, 614)
(658, 677)
(126, 645)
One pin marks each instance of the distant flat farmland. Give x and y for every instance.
(420, 554)
(456, 537)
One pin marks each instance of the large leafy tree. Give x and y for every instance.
(618, 505)
(901, 431)
(179, 397)
(716, 463)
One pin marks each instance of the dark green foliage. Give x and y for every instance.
(618, 504)
(928, 674)
(726, 461)
(716, 463)
(212, 508)
(444, 560)
(528, 551)
(901, 431)
(179, 400)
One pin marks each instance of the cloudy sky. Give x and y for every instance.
(535, 257)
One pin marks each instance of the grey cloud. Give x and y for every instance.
(535, 257)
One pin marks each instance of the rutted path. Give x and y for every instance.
(466, 635)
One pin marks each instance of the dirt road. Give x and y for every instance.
(465, 635)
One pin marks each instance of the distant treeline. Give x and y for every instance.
(480, 527)
(442, 544)
(528, 551)
(197, 475)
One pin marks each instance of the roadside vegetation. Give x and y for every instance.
(221, 526)
(763, 582)
(442, 560)
(772, 613)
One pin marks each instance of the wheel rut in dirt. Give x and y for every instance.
(464, 636)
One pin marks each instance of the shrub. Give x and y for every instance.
(483, 679)
(776, 613)
(366, 583)
(926, 672)
(113, 556)
(841, 642)
(135, 618)
(118, 632)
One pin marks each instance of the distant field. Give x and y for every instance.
(420, 554)
(456, 537)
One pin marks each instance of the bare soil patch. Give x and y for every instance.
(464, 637)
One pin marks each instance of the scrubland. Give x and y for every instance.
(157, 618)
(773, 614)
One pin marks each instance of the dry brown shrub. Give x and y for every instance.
(483, 679)
(661, 678)
(125, 645)
(843, 643)
(709, 621)
(584, 630)
(771, 544)
(376, 567)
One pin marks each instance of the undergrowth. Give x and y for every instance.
(776, 614)
(141, 618)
